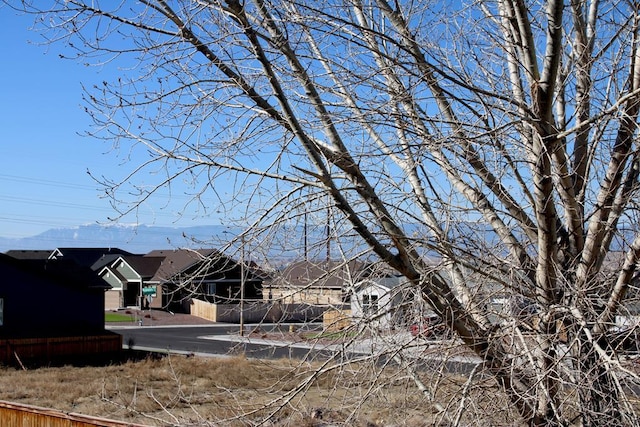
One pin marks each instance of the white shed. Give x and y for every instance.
(378, 301)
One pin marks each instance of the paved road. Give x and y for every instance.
(214, 340)
(224, 340)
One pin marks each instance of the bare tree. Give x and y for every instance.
(498, 137)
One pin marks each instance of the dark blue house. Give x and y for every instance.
(43, 298)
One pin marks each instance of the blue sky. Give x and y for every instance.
(43, 161)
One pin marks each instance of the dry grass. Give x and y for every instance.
(236, 391)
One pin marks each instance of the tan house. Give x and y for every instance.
(315, 282)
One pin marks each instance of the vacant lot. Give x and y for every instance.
(236, 391)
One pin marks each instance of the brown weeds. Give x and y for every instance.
(237, 391)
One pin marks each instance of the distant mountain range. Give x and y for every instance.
(287, 244)
(136, 239)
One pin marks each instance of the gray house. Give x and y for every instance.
(130, 279)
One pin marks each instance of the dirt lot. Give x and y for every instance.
(193, 391)
(236, 391)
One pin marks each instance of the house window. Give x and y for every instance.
(369, 304)
(210, 288)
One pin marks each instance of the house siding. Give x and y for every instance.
(113, 299)
(58, 348)
(306, 295)
(112, 280)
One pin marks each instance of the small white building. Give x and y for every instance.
(380, 301)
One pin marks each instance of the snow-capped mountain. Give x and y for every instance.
(136, 239)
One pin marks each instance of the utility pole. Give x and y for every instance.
(328, 229)
(306, 238)
(242, 287)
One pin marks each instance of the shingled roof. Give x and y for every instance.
(176, 261)
(64, 272)
(29, 254)
(323, 274)
(86, 256)
(145, 266)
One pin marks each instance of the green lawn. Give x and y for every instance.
(117, 317)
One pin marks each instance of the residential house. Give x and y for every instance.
(125, 272)
(628, 314)
(130, 279)
(51, 308)
(316, 282)
(49, 297)
(205, 274)
(96, 259)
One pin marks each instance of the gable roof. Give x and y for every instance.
(61, 271)
(104, 261)
(145, 266)
(323, 274)
(29, 254)
(86, 256)
(176, 261)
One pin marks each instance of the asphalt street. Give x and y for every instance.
(221, 340)
(215, 340)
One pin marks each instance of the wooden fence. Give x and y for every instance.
(204, 310)
(258, 311)
(20, 415)
(337, 320)
(254, 312)
(23, 349)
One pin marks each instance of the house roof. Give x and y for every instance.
(323, 274)
(202, 264)
(145, 266)
(176, 261)
(62, 271)
(388, 282)
(86, 256)
(29, 254)
(104, 261)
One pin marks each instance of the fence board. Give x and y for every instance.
(257, 311)
(336, 320)
(204, 310)
(20, 415)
